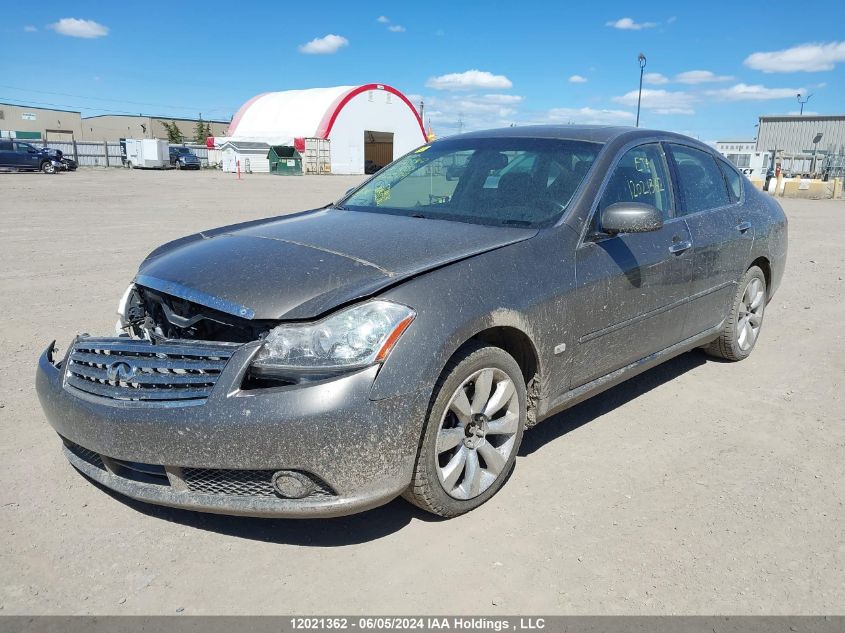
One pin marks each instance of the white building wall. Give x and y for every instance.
(376, 111)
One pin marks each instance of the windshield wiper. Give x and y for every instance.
(517, 222)
(418, 215)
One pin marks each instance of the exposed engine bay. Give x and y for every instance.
(155, 316)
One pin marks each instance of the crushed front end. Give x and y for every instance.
(176, 410)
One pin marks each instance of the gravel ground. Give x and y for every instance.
(699, 487)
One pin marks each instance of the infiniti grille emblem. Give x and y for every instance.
(120, 372)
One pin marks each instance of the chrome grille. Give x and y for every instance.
(241, 483)
(131, 369)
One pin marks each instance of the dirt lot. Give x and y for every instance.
(699, 487)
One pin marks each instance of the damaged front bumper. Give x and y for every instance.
(224, 452)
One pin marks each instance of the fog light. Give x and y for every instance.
(292, 485)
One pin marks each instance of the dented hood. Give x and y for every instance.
(301, 266)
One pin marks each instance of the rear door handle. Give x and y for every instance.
(742, 227)
(680, 247)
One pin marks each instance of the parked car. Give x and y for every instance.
(184, 158)
(22, 156)
(401, 340)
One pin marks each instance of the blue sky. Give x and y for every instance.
(712, 67)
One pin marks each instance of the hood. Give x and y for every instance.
(301, 266)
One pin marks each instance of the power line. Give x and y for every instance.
(66, 105)
(143, 103)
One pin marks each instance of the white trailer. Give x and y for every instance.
(148, 153)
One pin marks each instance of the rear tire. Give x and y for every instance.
(472, 432)
(742, 327)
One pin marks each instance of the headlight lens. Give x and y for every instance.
(355, 337)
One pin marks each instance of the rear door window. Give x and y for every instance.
(734, 181)
(701, 184)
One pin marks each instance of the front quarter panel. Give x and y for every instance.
(527, 286)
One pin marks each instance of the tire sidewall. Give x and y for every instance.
(485, 357)
(48, 168)
(751, 273)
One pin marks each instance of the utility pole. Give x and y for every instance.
(641, 60)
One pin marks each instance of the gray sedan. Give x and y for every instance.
(401, 340)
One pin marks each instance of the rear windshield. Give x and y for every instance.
(503, 182)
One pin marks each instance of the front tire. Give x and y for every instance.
(742, 327)
(47, 167)
(472, 433)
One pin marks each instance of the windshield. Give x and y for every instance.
(181, 150)
(498, 181)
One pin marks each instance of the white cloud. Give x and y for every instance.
(469, 80)
(396, 28)
(503, 99)
(672, 19)
(73, 27)
(30, 29)
(589, 116)
(660, 101)
(451, 113)
(324, 45)
(700, 77)
(812, 57)
(757, 92)
(627, 24)
(577, 79)
(383, 19)
(655, 79)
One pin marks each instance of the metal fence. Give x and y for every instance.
(88, 154)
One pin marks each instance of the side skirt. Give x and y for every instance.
(590, 389)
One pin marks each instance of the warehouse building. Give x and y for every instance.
(366, 126)
(27, 122)
(111, 127)
(804, 144)
(47, 124)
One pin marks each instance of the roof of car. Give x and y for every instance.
(594, 133)
(590, 133)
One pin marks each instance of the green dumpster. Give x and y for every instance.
(284, 160)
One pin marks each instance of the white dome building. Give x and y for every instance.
(372, 122)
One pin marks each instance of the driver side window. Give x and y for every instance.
(639, 176)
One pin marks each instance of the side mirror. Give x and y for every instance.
(631, 217)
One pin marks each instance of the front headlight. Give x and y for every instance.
(355, 337)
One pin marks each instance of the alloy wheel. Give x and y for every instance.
(750, 316)
(477, 433)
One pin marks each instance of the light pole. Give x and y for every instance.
(816, 140)
(806, 99)
(641, 61)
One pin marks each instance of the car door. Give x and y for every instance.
(25, 156)
(6, 153)
(722, 234)
(632, 288)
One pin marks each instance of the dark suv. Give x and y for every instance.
(184, 158)
(23, 156)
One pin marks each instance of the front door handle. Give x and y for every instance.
(742, 227)
(680, 247)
